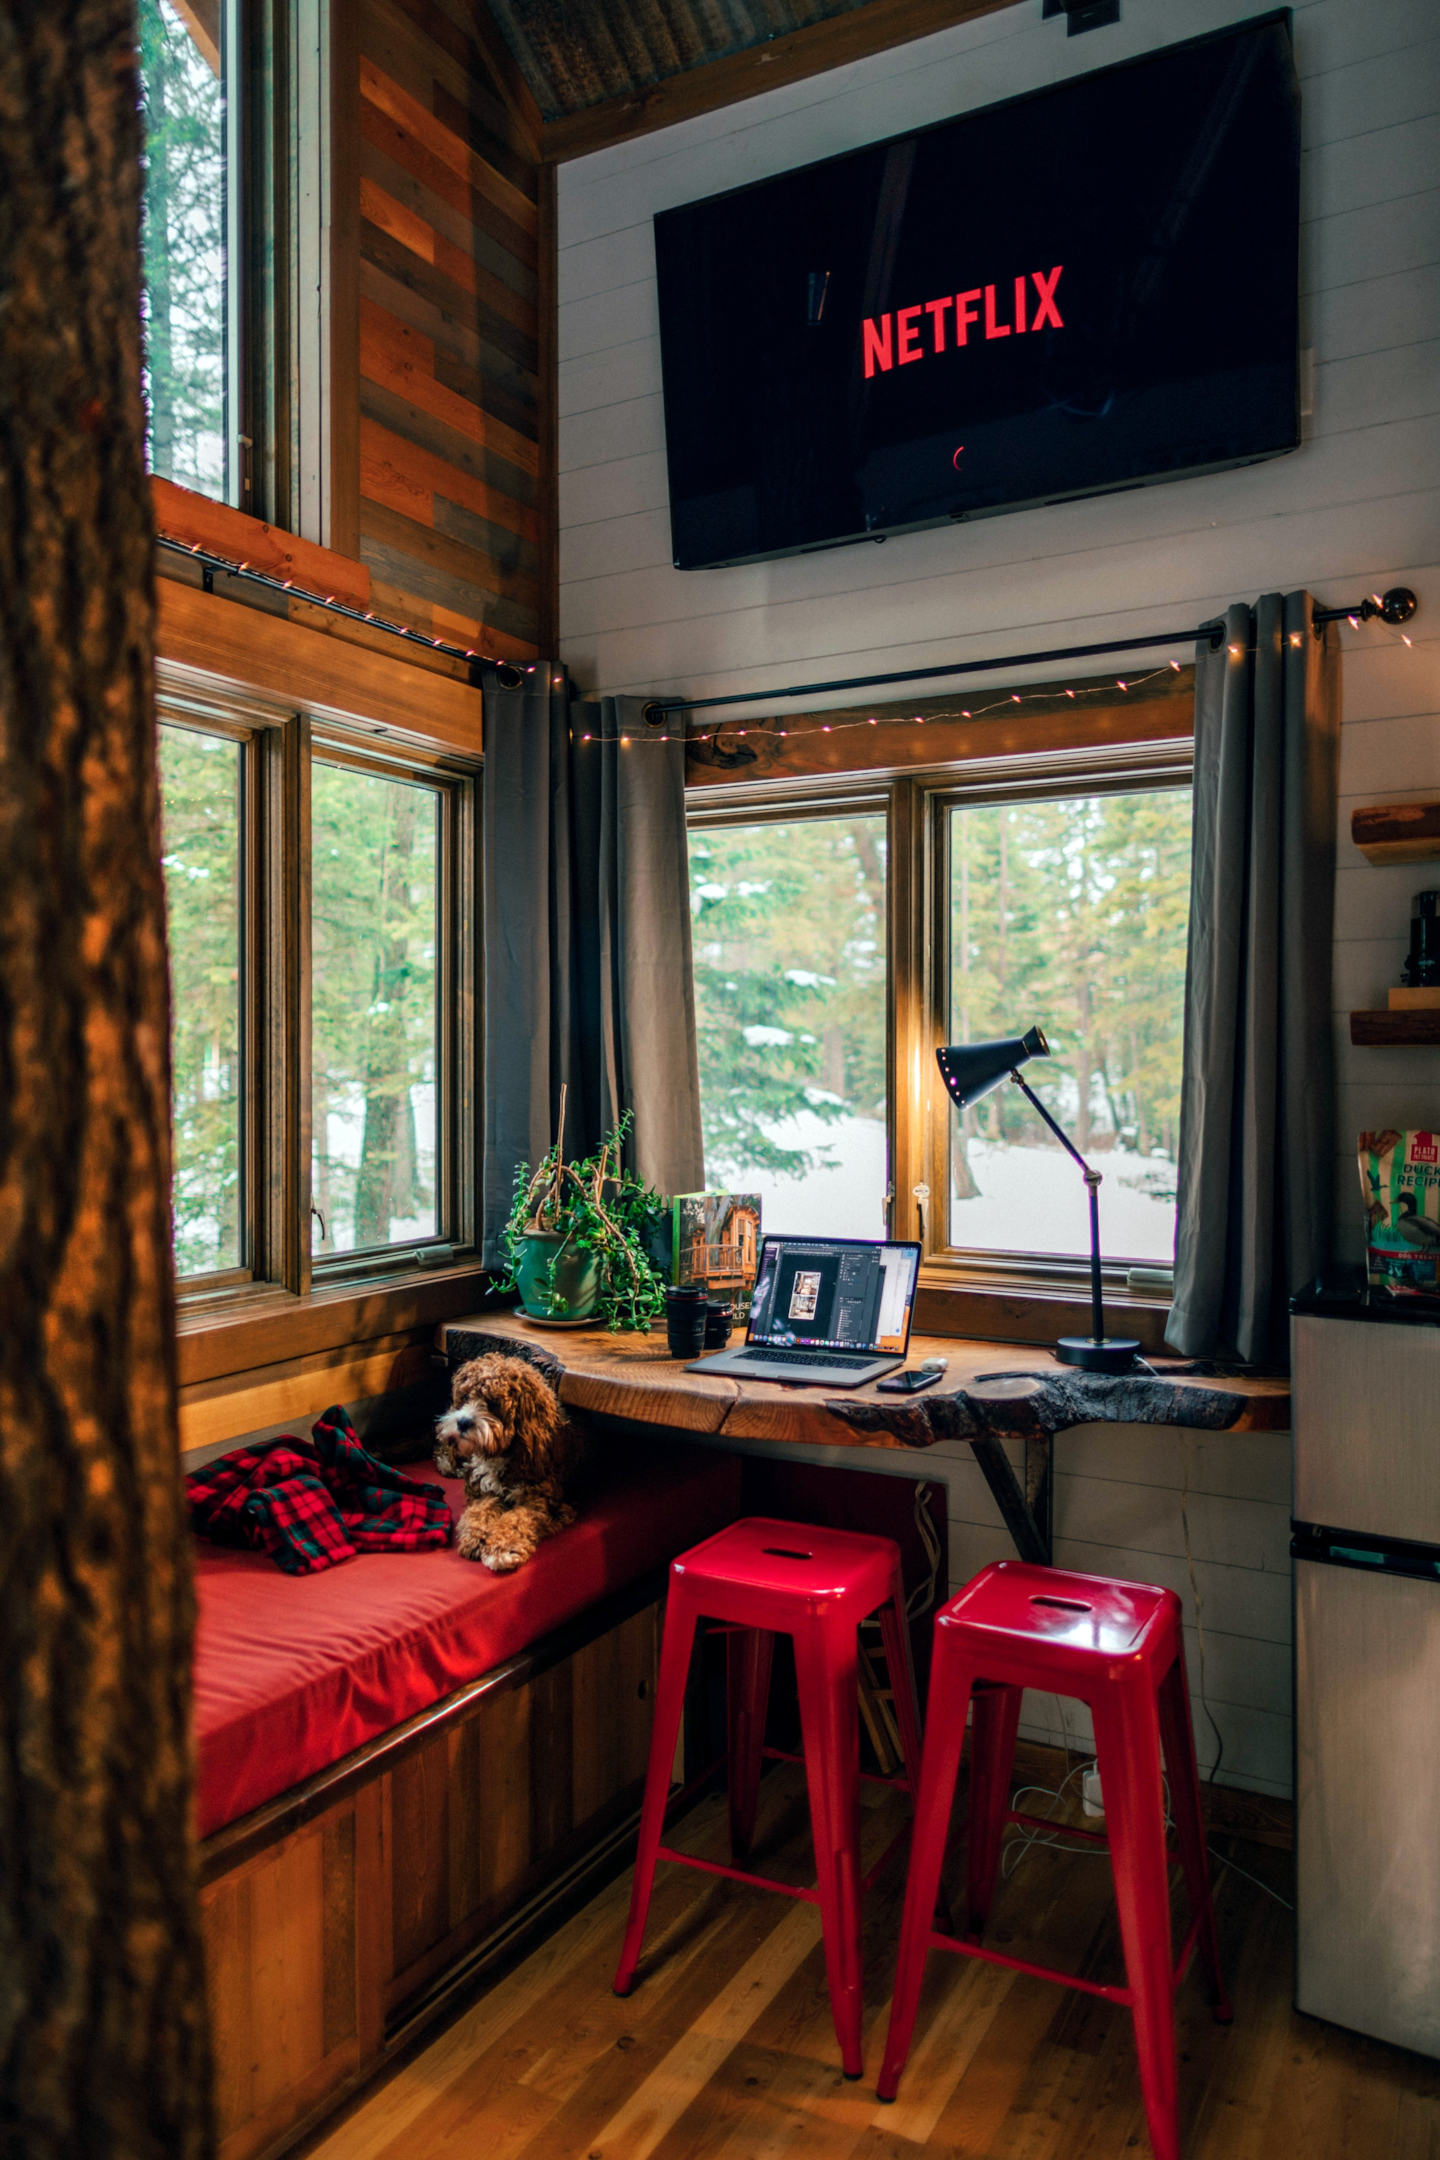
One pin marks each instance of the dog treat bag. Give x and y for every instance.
(1400, 1179)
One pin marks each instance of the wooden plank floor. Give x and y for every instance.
(725, 2050)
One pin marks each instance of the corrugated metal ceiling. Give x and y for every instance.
(576, 53)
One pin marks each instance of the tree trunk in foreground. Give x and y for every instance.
(103, 2041)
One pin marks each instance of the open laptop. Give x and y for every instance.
(829, 1312)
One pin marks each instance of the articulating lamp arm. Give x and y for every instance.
(1092, 1181)
(1069, 1146)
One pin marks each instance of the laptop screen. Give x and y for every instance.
(833, 1294)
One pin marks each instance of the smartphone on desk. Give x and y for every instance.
(910, 1383)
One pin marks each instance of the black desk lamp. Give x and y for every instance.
(971, 1070)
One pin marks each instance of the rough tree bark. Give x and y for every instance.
(103, 2044)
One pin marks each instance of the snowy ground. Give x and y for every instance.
(845, 1202)
(1032, 1199)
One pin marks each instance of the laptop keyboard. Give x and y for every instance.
(841, 1358)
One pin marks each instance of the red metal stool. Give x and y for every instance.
(763, 1578)
(1118, 1647)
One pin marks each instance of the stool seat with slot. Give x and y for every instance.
(762, 1578)
(1118, 1647)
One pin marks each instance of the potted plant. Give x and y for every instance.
(577, 1233)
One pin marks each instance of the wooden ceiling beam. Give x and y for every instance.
(505, 69)
(874, 28)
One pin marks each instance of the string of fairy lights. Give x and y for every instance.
(1376, 608)
(1005, 702)
(713, 731)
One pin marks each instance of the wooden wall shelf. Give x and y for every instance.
(1386, 1028)
(1397, 832)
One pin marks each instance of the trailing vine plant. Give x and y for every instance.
(595, 1206)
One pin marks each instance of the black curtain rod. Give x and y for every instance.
(505, 671)
(1396, 606)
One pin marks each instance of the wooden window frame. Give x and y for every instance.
(457, 1126)
(290, 75)
(279, 745)
(274, 961)
(970, 1292)
(795, 802)
(922, 1112)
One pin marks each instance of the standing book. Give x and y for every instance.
(716, 1241)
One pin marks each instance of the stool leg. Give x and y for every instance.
(827, 1668)
(748, 1657)
(895, 1634)
(1127, 1747)
(950, 1683)
(679, 1640)
(993, 1727)
(1178, 1739)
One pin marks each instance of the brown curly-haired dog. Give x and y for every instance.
(508, 1438)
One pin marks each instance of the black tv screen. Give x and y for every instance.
(1066, 294)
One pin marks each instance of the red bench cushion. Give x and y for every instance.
(293, 1671)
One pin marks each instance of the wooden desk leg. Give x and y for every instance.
(1040, 1488)
(1029, 1524)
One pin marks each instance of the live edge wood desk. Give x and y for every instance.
(991, 1393)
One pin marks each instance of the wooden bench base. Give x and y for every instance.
(342, 1917)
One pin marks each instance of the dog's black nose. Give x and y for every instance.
(464, 1419)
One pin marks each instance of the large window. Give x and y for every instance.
(186, 315)
(790, 981)
(321, 904)
(238, 99)
(1071, 913)
(838, 943)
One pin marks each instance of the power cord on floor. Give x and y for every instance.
(1029, 1835)
(1236, 1869)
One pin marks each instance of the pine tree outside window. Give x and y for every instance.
(375, 1024)
(201, 790)
(788, 921)
(1072, 913)
(187, 272)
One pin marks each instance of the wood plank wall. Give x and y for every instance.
(456, 457)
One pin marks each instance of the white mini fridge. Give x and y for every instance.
(1366, 1547)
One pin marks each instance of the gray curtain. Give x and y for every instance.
(587, 967)
(1257, 1115)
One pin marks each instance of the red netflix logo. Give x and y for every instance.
(897, 339)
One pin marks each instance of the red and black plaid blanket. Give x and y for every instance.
(310, 1507)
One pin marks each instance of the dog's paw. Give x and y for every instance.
(470, 1534)
(502, 1562)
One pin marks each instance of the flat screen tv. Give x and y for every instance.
(1083, 290)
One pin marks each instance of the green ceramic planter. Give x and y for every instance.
(575, 1291)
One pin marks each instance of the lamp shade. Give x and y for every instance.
(971, 1070)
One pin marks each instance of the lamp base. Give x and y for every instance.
(1115, 1354)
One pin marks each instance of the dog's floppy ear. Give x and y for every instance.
(469, 1380)
(531, 1409)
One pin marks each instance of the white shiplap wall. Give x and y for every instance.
(1354, 510)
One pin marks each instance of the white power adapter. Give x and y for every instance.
(1091, 1799)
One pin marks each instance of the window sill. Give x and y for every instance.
(949, 1301)
(267, 1326)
